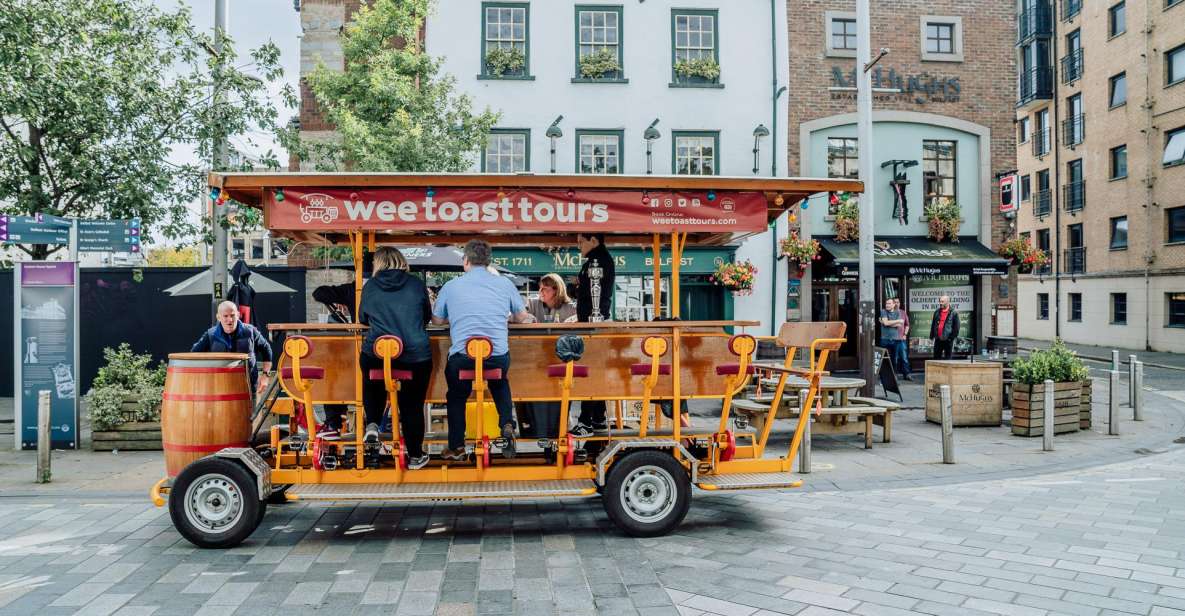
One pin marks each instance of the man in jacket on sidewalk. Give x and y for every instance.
(231, 335)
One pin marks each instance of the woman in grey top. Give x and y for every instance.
(553, 304)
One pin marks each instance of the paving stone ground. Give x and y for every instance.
(1108, 540)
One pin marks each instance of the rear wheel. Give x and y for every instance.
(647, 493)
(214, 503)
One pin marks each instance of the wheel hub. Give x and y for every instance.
(648, 494)
(213, 503)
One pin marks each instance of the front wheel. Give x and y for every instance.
(214, 503)
(647, 493)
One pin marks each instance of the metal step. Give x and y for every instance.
(748, 481)
(434, 491)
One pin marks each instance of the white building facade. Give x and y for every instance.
(708, 71)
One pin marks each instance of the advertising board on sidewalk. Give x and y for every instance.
(46, 350)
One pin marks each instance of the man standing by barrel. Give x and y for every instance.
(231, 335)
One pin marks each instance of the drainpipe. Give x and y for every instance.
(1149, 106)
(1055, 141)
(773, 157)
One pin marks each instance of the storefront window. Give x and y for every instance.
(924, 293)
(938, 169)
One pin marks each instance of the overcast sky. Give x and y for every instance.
(252, 23)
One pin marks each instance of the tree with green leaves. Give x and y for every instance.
(392, 108)
(95, 95)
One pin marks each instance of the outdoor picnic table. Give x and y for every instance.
(832, 389)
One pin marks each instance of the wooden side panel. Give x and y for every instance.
(608, 358)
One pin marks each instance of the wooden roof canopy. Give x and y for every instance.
(254, 190)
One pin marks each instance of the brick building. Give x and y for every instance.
(1101, 125)
(943, 109)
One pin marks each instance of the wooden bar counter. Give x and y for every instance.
(610, 349)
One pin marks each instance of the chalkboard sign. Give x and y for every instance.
(882, 365)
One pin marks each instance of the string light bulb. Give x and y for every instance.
(778, 200)
(279, 194)
(430, 192)
(711, 195)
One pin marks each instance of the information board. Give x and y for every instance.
(46, 351)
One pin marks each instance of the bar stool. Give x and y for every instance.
(736, 376)
(389, 348)
(479, 348)
(298, 348)
(653, 347)
(568, 349)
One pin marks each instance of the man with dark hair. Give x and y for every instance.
(477, 304)
(594, 297)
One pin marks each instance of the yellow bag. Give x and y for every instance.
(491, 420)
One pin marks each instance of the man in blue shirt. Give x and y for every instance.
(231, 335)
(477, 304)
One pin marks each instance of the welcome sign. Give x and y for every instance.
(491, 210)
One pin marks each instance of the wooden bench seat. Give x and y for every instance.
(832, 419)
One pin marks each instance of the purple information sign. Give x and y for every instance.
(53, 274)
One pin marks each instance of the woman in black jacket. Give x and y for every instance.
(396, 303)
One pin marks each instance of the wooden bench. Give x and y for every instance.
(832, 419)
(885, 421)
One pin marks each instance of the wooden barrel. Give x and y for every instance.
(206, 406)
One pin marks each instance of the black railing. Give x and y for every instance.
(1072, 66)
(1075, 260)
(1074, 130)
(1074, 196)
(1041, 142)
(1042, 202)
(1035, 84)
(1035, 20)
(1070, 9)
(1043, 270)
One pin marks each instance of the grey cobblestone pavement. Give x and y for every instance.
(1108, 540)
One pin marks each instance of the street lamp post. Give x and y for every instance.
(759, 133)
(553, 133)
(218, 210)
(651, 134)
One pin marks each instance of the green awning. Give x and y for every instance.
(919, 255)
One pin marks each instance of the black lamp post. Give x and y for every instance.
(651, 134)
(553, 133)
(759, 133)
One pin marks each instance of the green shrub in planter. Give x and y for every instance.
(503, 60)
(127, 377)
(1057, 363)
(598, 64)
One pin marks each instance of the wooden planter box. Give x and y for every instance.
(130, 435)
(976, 392)
(1084, 411)
(1028, 408)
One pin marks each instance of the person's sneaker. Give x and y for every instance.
(415, 462)
(457, 455)
(508, 450)
(329, 434)
(583, 430)
(372, 433)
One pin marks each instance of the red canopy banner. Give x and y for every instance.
(493, 210)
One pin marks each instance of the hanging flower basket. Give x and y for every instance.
(1023, 255)
(943, 215)
(847, 216)
(736, 277)
(799, 251)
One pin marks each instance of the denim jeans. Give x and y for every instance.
(900, 355)
(458, 394)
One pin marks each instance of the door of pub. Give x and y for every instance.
(836, 301)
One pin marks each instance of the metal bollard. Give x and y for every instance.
(1047, 418)
(948, 426)
(1114, 359)
(804, 449)
(1131, 380)
(1138, 396)
(1113, 403)
(43, 434)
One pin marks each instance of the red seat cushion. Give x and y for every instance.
(559, 370)
(376, 374)
(731, 369)
(644, 369)
(309, 373)
(489, 374)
